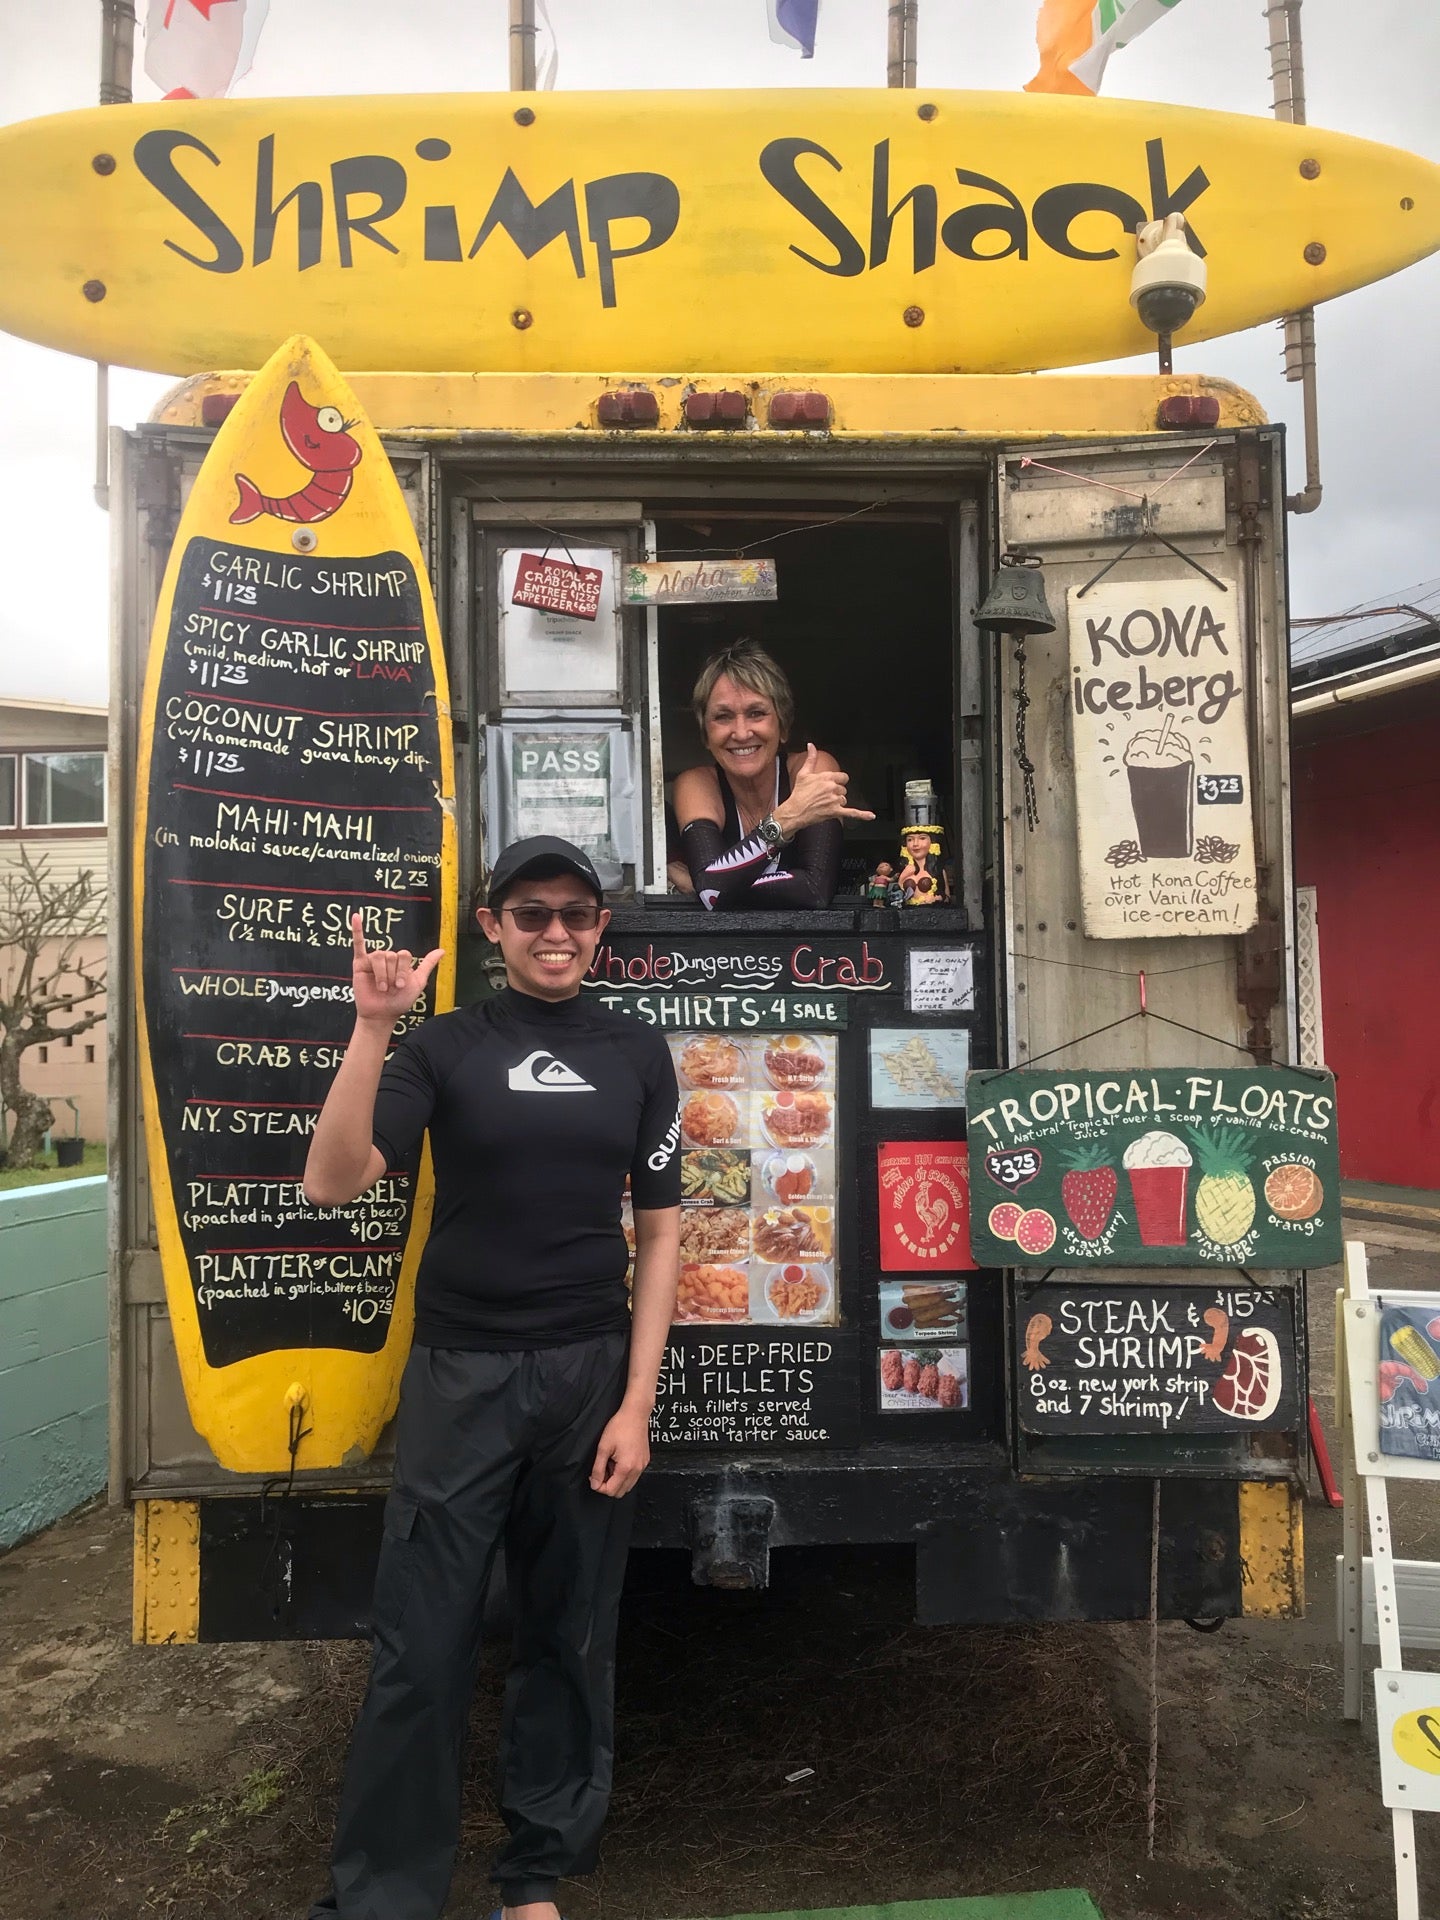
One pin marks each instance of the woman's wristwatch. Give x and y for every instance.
(772, 833)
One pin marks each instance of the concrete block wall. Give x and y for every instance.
(53, 1352)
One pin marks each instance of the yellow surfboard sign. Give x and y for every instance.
(295, 768)
(860, 231)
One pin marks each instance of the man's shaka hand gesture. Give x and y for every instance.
(387, 984)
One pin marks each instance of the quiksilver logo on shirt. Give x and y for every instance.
(541, 1072)
(664, 1153)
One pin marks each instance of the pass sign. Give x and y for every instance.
(822, 230)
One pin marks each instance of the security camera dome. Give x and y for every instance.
(1168, 283)
(1166, 309)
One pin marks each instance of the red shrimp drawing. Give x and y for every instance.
(1218, 1321)
(319, 438)
(1036, 1328)
(1392, 1372)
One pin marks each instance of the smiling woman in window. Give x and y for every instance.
(761, 826)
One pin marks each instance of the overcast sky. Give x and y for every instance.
(1369, 71)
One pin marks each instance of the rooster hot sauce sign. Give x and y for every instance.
(1158, 1360)
(1164, 1167)
(924, 1207)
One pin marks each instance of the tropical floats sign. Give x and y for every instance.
(1154, 1167)
(861, 231)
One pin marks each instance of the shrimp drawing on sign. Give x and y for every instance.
(1036, 1328)
(320, 440)
(1218, 1321)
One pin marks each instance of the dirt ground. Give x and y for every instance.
(185, 1783)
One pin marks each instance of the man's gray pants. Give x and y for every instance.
(489, 1447)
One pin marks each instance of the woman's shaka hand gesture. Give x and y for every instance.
(818, 793)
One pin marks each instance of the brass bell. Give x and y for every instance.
(1016, 600)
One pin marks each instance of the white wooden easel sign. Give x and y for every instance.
(1389, 1411)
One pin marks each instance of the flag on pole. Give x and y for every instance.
(547, 52)
(198, 49)
(792, 24)
(1077, 37)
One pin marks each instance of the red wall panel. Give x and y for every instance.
(1367, 838)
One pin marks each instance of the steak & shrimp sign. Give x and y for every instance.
(1155, 1360)
(1162, 760)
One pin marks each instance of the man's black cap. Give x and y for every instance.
(542, 857)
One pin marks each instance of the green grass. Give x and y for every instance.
(45, 1169)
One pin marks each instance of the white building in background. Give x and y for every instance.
(52, 802)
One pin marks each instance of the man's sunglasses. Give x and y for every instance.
(580, 918)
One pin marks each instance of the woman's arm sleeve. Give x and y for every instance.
(730, 877)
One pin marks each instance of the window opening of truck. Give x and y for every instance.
(862, 628)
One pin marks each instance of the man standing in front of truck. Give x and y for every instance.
(525, 1404)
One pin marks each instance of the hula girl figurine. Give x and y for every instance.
(922, 875)
(882, 888)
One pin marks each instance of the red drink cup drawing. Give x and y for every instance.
(1158, 1165)
(1161, 771)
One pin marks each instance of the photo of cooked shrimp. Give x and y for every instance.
(709, 1292)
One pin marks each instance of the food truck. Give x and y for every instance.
(998, 1195)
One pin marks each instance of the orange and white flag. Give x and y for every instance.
(1077, 37)
(198, 49)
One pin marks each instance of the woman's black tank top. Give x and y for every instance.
(731, 829)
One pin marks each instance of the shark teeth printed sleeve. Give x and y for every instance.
(748, 874)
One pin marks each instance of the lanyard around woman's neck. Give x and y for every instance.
(748, 828)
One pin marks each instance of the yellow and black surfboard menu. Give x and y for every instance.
(296, 772)
(292, 783)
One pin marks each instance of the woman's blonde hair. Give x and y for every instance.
(748, 664)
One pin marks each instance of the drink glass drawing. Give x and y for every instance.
(1159, 1166)
(1161, 771)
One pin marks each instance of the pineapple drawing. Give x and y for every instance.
(1225, 1196)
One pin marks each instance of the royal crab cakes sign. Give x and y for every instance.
(1155, 1167)
(1162, 760)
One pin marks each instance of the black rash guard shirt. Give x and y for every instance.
(536, 1111)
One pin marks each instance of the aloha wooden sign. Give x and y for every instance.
(698, 583)
(1156, 1167)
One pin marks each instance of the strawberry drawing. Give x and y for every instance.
(1088, 1191)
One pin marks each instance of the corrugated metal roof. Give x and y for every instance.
(1378, 629)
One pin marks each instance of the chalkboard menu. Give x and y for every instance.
(747, 1386)
(294, 774)
(1155, 1167)
(1155, 1360)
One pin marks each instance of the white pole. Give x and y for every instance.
(904, 25)
(1287, 85)
(117, 66)
(522, 46)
